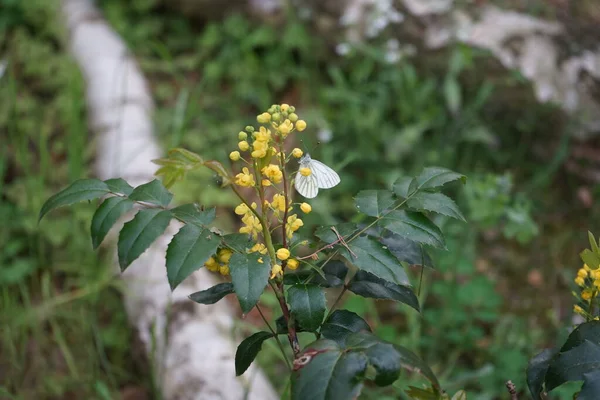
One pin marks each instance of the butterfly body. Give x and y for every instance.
(321, 177)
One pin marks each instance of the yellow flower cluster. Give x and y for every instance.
(245, 178)
(252, 223)
(589, 282)
(279, 203)
(273, 174)
(220, 262)
(293, 224)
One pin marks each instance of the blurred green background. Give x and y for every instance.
(500, 293)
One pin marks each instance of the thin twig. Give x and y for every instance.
(276, 338)
(512, 390)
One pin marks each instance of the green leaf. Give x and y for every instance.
(591, 259)
(248, 349)
(213, 294)
(401, 186)
(239, 242)
(371, 256)
(192, 214)
(281, 326)
(188, 251)
(106, 216)
(382, 355)
(139, 233)
(218, 168)
(406, 250)
(327, 235)
(342, 323)
(80, 190)
(368, 285)
(573, 364)
(434, 177)
(119, 185)
(374, 203)
(414, 226)
(307, 304)
(593, 243)
(323, 371)
(249, 277)
(415, 393)
(152, 192)
(435, 202)
(586, 331)
(591, 386)
(536, 372)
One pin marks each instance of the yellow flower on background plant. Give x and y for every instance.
(297, 152)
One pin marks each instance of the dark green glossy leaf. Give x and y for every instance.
(591, 386)
(586, 331)
(239, 242)
(105, 217)
(366, 284)
(573, 364)
(327, 235)
(536, 372)
(402, 185)
(119, 185)
(213, 294)
(307, 304)
(435, 202)
(374, 203)
(414, 226)
(406, 250)
(192, 214)
(248, 349)
(188, 251)
(342, 323)
(249, 275)
(591, 259)
(382, 355)
(80, 190)
(139, 233)
(281, 326)
(152, 192)
(370, 255)
(434, 177)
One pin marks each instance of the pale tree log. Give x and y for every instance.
(190, 346)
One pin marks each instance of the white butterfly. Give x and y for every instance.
(321, 177)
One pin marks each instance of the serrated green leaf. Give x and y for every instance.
(213, 294)
(80, 190)
(345, 230)
(307, 304)
(573, 364)
(414, 226)
(591, 259)
(327, 373)
(402, 185)
(374, 203)
(593, 243)
(139, 233)
(192, 214)
(248, 349)
(536, 372)
(342, 323)
(371, 256)
(591, 386)
(249, 277)
(368, 285)
(106, 216)
(152, 192)
(406, 250)
(239, 242)
(435, 202)
(189, 249)
(434, 177)
(119, 185)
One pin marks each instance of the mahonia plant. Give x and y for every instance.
(268, 254)
(578, 359)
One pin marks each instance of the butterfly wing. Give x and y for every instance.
(306, 185)
(325, 177)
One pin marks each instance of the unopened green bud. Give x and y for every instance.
(276, 117)
(293, 117)
(242, 135)
(249, 129)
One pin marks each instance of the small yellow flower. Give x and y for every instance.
(224, 270)
(260, 248)
(582, 273)
(306, 208)
(262, 135)
(276, 270)
(245, 178)
(211, 264)
(595, 274)
(297, 152)
(260, 260)
(254, 205)
(263, 118)
(234, 155)
(224, 255)
(283, 254)
(278, 202)
(579, 281)
(285, 127)
(578, 309)
(284, 107)
(587, 294)
(300, 125)
(292, 264)
(242, 135)
(259, 149)
(242, 209)
(243, 145)
(305, 171)
(273, 172)
(265, 182)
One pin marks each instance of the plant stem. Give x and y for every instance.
(276, 338)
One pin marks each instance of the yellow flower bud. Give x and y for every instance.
(595, 274)
(211, 264)
(242, 135)
(264, 118)
(284, 107)
(224, 255)
(276, 270)
(243, 145)
(306, 208)
(587, 294)
(276, 117)
(582, 273)
(234, 155)
(579, 281)
(305, 171)
(254, 205)
(300, 125)
(297, 152)
(266, 182)
(578, 309)
(292, 264)
(224, 270)
(283, 254)
(241, 209)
